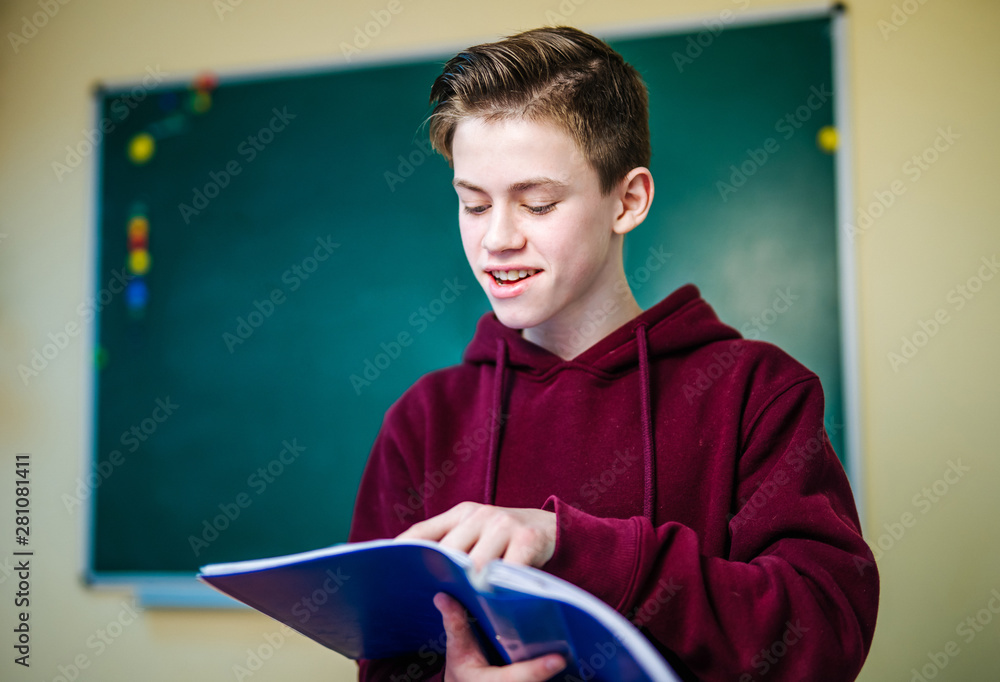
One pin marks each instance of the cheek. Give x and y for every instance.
(470, 238)
(582, 251)
(568, 262)
(473, 248)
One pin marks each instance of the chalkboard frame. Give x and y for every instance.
(173, 590)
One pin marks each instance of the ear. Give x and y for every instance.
(635, 194)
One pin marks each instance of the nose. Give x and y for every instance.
(503, 233)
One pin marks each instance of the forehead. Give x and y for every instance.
(513, 150)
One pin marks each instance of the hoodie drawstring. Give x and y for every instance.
(648, 443)
(648, 447)
(496, 423)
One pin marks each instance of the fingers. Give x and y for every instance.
(488, 546)
(438, 526)
(521, 536)
(483, 533)
(462, 528)
(529, 546)
(535, 670)
(430, 529)
(462, 648)
(531, 537)
(465, 661)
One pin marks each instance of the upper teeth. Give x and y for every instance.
(512, 275)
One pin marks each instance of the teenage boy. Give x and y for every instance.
(576, 436)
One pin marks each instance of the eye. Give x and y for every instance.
(541, 210)
(475, 210)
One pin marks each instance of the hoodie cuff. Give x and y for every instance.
(596, 554)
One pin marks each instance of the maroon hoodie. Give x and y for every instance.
(694, 485)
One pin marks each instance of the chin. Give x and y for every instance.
(515, 319)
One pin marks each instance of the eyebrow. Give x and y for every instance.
(517, 187)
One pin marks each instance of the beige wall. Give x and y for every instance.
(940, 70)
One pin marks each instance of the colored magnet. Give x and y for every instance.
(101, 357)
(201, 101)
(141, 148)
(138, 261)
(136, 294)
(826, 139)
(138, 231)
(137, 241)
(138, 208)
(206, 82)
(168, 101)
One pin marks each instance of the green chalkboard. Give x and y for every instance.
(304, 269)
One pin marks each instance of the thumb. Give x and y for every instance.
(462, 648)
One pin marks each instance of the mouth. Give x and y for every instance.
(511, 277)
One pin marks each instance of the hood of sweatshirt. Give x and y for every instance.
(677, 324)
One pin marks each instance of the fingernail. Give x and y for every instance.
(555, 664)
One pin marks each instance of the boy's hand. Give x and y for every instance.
(521, 536)
(465, 661)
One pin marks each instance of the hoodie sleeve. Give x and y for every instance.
(798, 591)
(379, 512)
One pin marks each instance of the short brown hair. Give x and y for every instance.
(561, 75)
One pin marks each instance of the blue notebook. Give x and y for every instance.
(373, 600)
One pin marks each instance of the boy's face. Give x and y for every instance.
(530, 201)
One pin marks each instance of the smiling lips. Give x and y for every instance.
(510, 276)
(510, 283)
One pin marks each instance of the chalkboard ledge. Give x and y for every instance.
(181, 591)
